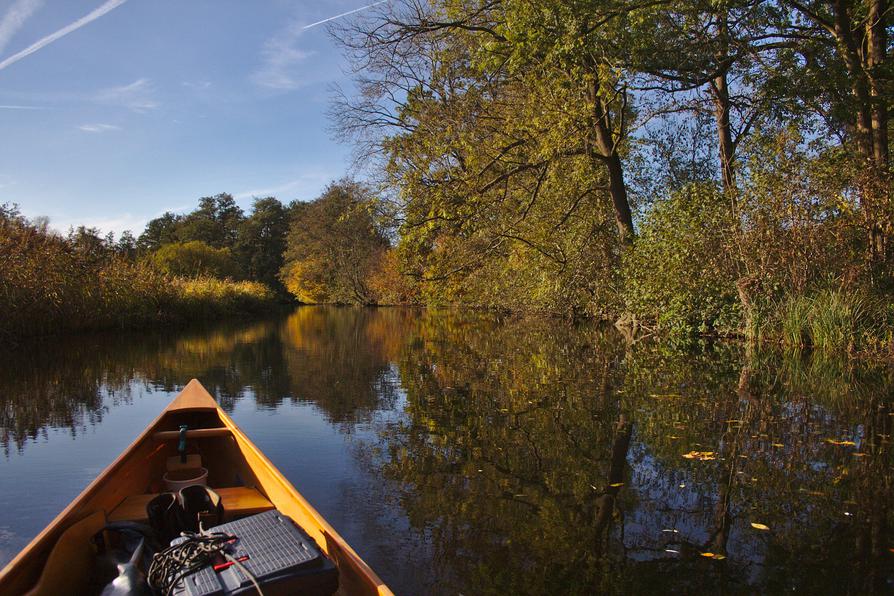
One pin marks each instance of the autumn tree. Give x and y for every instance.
(333, 246)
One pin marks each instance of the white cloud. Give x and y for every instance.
(137, 96)
(196, 84)
(127, 221)
(14, 18)
(15, 107)
(280, 57)
(99, 127)
(105, 8)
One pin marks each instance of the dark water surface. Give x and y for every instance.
(479, 454)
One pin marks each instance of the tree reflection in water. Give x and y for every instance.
(533, 456)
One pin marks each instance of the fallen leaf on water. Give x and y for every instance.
(616, 484)
(812, 493)
(719, 557)
(777, 445)
(670, 550)
(708, 555)
(665, 395)
(841, 443)
(758, 526)
(700, 455)
(858, 454)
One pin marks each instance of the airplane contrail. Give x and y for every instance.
(107, 7)
(344, 14)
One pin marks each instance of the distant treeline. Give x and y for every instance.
(50, 283)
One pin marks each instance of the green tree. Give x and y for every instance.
(159, 231)
(215, 222)
(261, 241)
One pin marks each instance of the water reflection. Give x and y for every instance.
(532, 456)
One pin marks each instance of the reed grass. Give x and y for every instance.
(831, 320)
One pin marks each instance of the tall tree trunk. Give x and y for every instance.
(876, 42)
(850, 53)
(720, 91)
(607, 153)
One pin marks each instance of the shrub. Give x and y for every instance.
(681, 274)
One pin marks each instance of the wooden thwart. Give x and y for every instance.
(237, 502)
(197, 433)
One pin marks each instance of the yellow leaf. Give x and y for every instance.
(700, 455)
(758, 526)
(778, 445)
(616, 484)
(841, 443)
(665, 395)
(708, 555)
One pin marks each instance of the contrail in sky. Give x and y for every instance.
(108, 6)
(344, 14)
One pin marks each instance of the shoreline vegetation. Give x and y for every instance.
(684, 170)
(53, 284)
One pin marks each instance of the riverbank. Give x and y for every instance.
(53, 284)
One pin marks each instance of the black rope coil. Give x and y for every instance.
(198, 550)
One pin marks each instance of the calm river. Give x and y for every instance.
(482, 454)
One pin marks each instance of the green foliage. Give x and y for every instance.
(216, 222)
(194, 258)
(261, 241)
(680, 274)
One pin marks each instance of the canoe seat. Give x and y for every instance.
(237, 502)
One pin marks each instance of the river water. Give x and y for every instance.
(487, 454)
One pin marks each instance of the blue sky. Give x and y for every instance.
(150, 104)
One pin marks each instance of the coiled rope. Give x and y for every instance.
(174, 563)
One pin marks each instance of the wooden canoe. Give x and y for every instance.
(57, 560)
